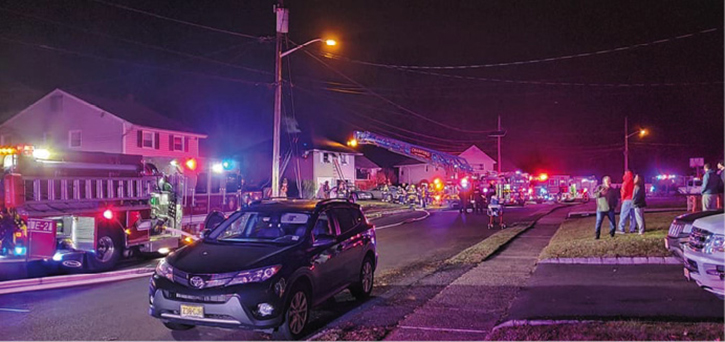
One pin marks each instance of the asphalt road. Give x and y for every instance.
(118, 311)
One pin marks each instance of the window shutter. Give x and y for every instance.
(139, 138)
(171, 142)
(156, 140)
(186, 144)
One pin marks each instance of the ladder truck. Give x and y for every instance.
(86, 210)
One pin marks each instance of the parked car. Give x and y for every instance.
(680, 228)
(266, 266)
(379, 192)
(705, 254)
(357, 194)
(692, 186)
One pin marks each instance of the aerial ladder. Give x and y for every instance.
(440, 159)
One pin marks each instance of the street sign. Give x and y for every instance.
(41, 238)
(697, 162)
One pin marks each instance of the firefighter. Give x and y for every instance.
(7, 229)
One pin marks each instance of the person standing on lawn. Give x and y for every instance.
(606, 198)
(638, 202)
(710, 187)
(721, 190)
(627, 212)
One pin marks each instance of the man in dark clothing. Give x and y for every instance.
(710, 187)
(721, 189)
(606, 203)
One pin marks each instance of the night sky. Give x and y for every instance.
(586, 66)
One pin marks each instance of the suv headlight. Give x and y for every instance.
(715, 243)
(163, 269)
(255, 276)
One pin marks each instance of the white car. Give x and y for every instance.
(705, 254)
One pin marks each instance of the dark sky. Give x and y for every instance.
(561, 115)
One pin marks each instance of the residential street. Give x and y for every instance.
(118, 311)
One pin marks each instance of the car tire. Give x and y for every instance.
(364, 287)
(178, 326)
(296, 314)
(109, 242)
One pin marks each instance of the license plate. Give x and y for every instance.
(667, 244)
(687, 273)
(195, 311)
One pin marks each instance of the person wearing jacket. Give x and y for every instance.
(606, 198)
(627, 211)
(710, 186)
(638, 202)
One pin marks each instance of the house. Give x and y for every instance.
(413, 171)
(366, 172)
(326, 161)
(64, 121)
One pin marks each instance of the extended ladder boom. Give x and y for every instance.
(426, 155)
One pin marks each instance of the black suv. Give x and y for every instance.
(265, 266)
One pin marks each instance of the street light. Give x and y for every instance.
(642, 132)
(282, 28)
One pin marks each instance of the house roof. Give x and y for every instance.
(474, 155)
(133, 112)
(361, 162)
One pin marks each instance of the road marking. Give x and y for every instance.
(14, 310)
(446, 329)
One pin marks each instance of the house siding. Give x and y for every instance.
(43, 125)
(417, 172)
(132, 146)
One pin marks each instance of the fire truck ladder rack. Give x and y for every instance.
(65, 194)
(423, 154)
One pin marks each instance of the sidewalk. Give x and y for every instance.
(470, 307)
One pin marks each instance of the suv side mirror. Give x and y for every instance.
(323, 240)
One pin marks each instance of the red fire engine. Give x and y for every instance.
(89, 209)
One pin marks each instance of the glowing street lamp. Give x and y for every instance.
(642, 132)
(282, 28)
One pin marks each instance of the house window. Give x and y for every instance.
(148, 139)
(178, 143)
(326, 158)
(343, 158)
(74, 139)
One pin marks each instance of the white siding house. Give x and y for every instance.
(63, 121)
(414, 171)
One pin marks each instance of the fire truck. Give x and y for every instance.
(87, 210)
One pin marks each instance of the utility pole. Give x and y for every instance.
(499, 144)
(282, 28)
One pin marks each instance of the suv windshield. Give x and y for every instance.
(284, 227)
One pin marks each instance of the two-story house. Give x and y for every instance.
(63, 121)
(413, 171)
(326, 161)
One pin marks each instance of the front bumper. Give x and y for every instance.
(674, 245)
(224, 310)
(707, 270)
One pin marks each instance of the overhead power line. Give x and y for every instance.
(116, 60)
(395, 104)
(532, 61)
(130, 41)
(158, 16)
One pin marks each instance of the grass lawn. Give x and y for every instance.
(485, 248)
(613, 331)
(575, 239)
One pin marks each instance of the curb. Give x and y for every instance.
(46, 283)
(593, 213)
(519, 322)
(614, 261)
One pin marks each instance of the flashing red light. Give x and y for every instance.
(190, 164)
(108, 214)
